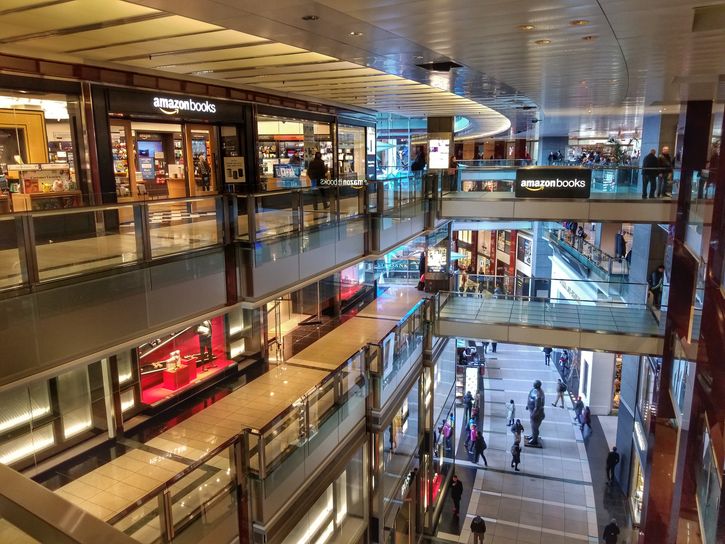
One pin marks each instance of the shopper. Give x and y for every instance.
(586, 419)
(456, 493)
(515, 456)
(560, 390)
(485, 346)
(580, 237)
(479, 447)
(418, 164)
(666, 165)
(467, 405)
(478, 529)
(612, 462)
(620, 245)
(547, 355)
(656, 283)
(510, 413)
(578, 409)
(494, 345)
(517, 429)
(295, 159)
(204, 171)
(447, 432)
(316, 171)
(471, 438)
(611, 532)
(650, 171)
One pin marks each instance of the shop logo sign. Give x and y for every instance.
(172, 106)
(544, 182)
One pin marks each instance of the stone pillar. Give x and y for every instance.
(625, 418)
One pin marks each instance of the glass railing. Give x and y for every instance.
(603, 265)
(392, 359)
(283, 454)
(607, 181)
(38, 246)
(199, 501)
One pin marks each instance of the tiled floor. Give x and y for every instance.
(551, 499)
(600, 317)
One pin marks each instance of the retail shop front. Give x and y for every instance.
(93, 401)
(41, 143)
(166, 145)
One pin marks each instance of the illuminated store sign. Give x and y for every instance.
(172, 106)
(543, 182)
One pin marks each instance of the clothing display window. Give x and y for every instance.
(286, 148)
(39, 149)
(182, 359)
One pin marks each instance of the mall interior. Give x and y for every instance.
(291, 273)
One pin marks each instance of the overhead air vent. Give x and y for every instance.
(444, 66)
(709, 18)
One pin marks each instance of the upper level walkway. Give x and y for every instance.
(484, 192)
(595, 325)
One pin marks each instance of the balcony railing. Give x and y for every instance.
(603, 265)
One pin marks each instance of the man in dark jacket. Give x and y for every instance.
(612, 461)
(578, 409)
(547, 355)
(650, 170)
(419, 161)
(478, 529)
(665, 175)
(611, 532)
(620, 245)
(456, 493)
(656, 283)
(316, 171)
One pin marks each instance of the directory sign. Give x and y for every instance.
(438, 157)
(547, 182)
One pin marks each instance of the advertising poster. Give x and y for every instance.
(234, 170)
(438, 157)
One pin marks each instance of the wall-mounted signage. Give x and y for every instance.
(544, 182)
(181, 107)
(439, 154)
(234, 170)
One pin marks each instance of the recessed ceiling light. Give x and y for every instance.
(310, 18)
(579, 22)
(356, 34)
(526, 27)
(542, 42)
(589, 38)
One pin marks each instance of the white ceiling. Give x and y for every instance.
(642, 54)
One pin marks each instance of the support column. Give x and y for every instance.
(551, 144)
(664, 473)
(597, 375)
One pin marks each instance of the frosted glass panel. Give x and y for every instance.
(22, 405)
(74, 398)
(128, 400)
(125, 368)
(27, 445)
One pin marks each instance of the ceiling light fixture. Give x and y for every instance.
(579, 22)
(310, 18)
(356, 34)
(542, 42)
(526, 28)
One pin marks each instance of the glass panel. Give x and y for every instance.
(180, 226)
(275, 214)
(27, 445)
(74, 242)
(285, 436)
(351, 152)
(12, 535)
(143, 524)
(24, 405)
(74, 400)
(11, 273)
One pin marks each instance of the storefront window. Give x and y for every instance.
(709, 488)
(351, 152)
(286, 147)
(39, 151)
(637, 495)
(648, 377)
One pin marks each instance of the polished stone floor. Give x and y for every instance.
(552, 499)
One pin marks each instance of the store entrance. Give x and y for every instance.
(202, 149)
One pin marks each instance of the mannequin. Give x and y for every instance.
(535, 405)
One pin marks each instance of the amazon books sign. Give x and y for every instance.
(544, 182)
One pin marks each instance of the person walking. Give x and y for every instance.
(578, 409)
(478, 529)
(478, 448)
(612, 462)
(560, 390)
(494, 345)
(510, 413)
(467, 405)
(515, 456)
(471, 438)
(447, 432)
(517, 429)
(650, 171)
(316, 171)
(620, 245)
(586, 419)
(611, 532)
(456, 494)
(547, 355)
